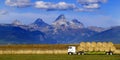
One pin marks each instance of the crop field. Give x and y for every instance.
(43, 46)
(117, 46)
(90, 56)
(59, 57)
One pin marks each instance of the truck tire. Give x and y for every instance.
(110, 53)
(107, 53)
(78, 53)
(70, 53)
(83, 53)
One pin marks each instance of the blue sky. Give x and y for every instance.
(102, 13)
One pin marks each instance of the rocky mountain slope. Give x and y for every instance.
(61, 31)
(112, 35)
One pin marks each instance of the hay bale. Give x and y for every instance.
(82, 44)
(99, 44)
(104, 44)
(110, 44)
(88, 44)
(93, 44)
(90, 49)
(96, 49)
(79, 48)
(107, 49)
(112, 48)
(101, 49)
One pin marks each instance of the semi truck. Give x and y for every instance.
(84, 48)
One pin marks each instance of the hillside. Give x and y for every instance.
(11, 34)
(112, 35)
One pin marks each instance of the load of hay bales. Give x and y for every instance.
(81, 46)
(96, 46)
(93, 45)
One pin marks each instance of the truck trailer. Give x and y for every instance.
(84, 48)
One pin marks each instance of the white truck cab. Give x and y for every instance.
(71, 50)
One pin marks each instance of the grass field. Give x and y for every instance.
(59, 57)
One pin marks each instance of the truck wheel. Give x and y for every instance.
(70, 53)
(82, 53)
(107, 53)
(79, 53)
(111, 53)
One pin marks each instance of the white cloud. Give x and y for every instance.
(53, 6)
(91, 1)
(86, 5)
(18, 3)
(3, 12)
(49, 6)
(83, 10)
(79, 10)
(92, 4)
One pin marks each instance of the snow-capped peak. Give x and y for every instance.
(40, 22)
(16, 22)
(60, 17)
(60, 21)
(76, 24)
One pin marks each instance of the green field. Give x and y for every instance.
(59, 57)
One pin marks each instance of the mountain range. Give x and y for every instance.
(61, 31)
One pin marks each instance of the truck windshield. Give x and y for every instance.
(70, 47)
